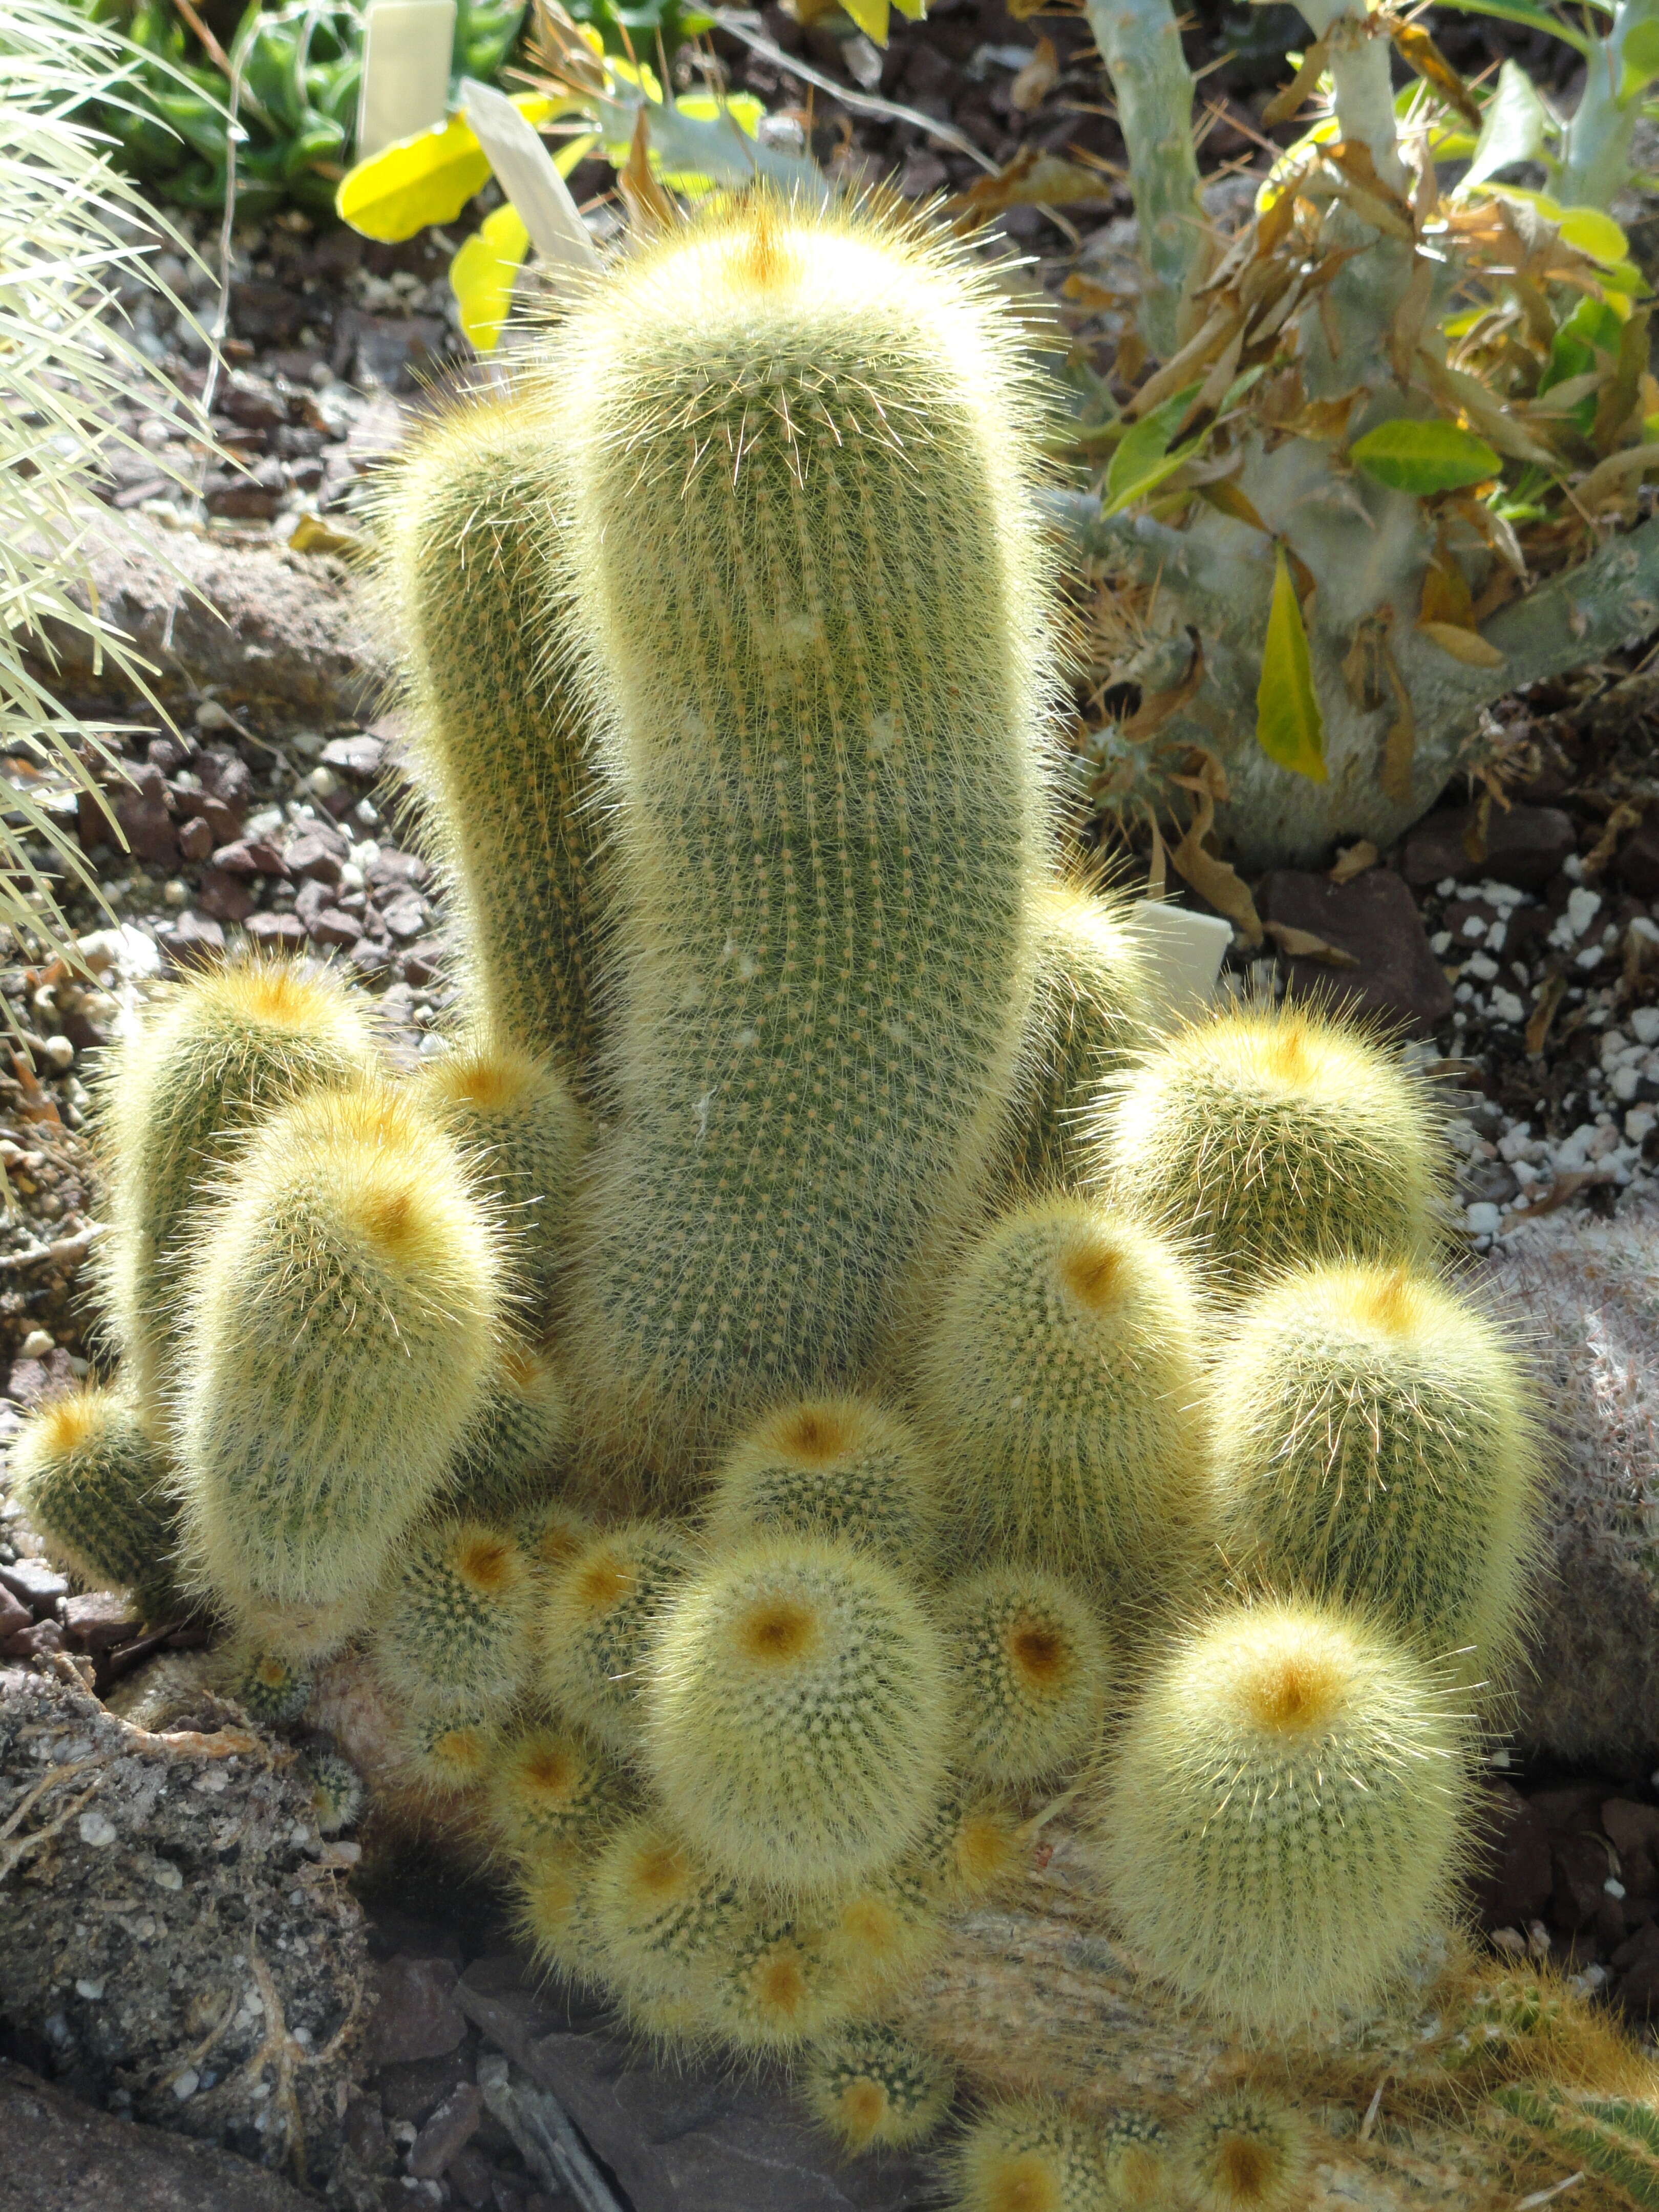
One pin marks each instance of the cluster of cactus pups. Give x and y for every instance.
(812, 1375)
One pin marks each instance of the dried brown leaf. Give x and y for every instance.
(1420, 52)
(1032, 84)
(649, 208)
(1036, 178)
(1302, 87)
(1353, 860)
(1544, 1012)
(1405, 331)
(1465, 644)
(1303, 944)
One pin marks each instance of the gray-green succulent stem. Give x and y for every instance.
(1360, 80)
(1140, 42)
(1596, 142)
(1218, 585)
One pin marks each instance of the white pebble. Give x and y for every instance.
(1638, 1123)
(185, 2085)
(37, 1344)
(1478, 964)
(1506, 1008)
(1483, 1218)
(166, 1875)
(1644, 1024)
(90, 1991)
(58, 1053)
(95, 1830)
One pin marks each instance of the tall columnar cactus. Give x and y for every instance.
(798, 1712)
(176, 1097)
(1276, 1136)
(472, 587)
(97, 1491)
(342, 1316)
(1091, 1008)
(1060, 1385)
(1280, 1819)
(842, 1466)
(818, 646)
(521, 1127)
(1377, 1440)
(1030, 1664)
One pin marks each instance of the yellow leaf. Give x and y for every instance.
(871, 16)
(427, 179)
(915, 9)
(482, 274)
(1595, 233)
(1465, 644)
(1289, 727)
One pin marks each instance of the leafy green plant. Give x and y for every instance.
(291, 74)
(1380, 451)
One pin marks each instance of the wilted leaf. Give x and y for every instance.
(1353, 860)
(1228, 499)
(1034, 82)
(649, 208)
(482, 274)
(311, 534)
(1512, 129)
(1623, 389)
(1419, 51)
(1465, 644)
(1303, 944)
(1142, 460)
(1214, 880)
(1033, 179)
(1446, 594)
(1288, 727)
(426, 178)
(1301, 87)
(1607, 477)
(1409, 317)
(1424, 458)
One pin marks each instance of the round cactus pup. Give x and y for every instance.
(597, 1624)
(455, 1620)
(872, 2088)
(1243, 2152)
(842, 1466)
(100, 1496)
(1031, 1669)
(548, 1786)
(1023, 2156)
(658, 1914)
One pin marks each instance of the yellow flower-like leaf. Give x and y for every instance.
(1288, 727)
(426, 178)
(1595, 233)
(871, 16)
(482, 274)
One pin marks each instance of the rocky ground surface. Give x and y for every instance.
(1517, 948)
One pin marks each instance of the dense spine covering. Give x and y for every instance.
(798, 1713)
(446, 1749)
(99, 1494)
(336, 1790)
(1276, 1136)
(554, 1918)
(1060, 1382)
(1279, 1821)
(771, 1988)
(872, 2088)
(499, 739)
(176, 1097)
(818, 650)
(551, 1788)
(516, 1447)
(1243, 2152)
(883, 1931)
(1615, 2138)
(344, 1317)
(1030, 1664)
(840, 1466)
(1091, 1011)
(658, 1915)
(1024, 2156)
(1137, 2157)
(597, 1624)
(519, 1123)
(972, 1847)
(455, 1618)
(269, 1688)
(1378, 1440)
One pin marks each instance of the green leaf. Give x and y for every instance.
(1533, 18)
(1288, 727)
(1512, 129)
(1424, 458)
(1640, 55)
(1142, 458)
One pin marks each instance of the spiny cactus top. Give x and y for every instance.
(805, 572)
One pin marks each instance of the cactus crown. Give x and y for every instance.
(840, 1466)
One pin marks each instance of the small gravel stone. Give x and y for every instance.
(39, 1585)
(415, 2015)
(450, 2129)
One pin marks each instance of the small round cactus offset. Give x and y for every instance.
(835, 1466)
(1274, 1135)
(1030, 2154)
(874, 2090)
(456, 1618)
(1280, 1823)
(95, 1487)
(1243, 2153)
(1030, 1663)
(596, 1627)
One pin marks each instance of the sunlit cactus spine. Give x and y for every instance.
(99, 1494)
(455, 1618)
(872, 2088)
(843, 1466)
(798, 1713)
(1280, 1820)
(1243, 2152)
(1060, 1385)
(1378, 1440)
(596, 1625)
(499, 738)
(1029, 1663)
(1273, 1136)
(519, 1125)
(817, 652)
(344, 1314)
(1028, 2156)
(178, 1094)
(658, 1915)
(1090, 1009)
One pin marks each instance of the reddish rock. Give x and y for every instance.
(194, 936)
(413, 2089)
(1514, 1845)
(448, 2131)
(141, 811)
(278, 932)
(97, 1621)
(406, 916)
(33, 1643)
(1636, 1963)
(35, 1584)
(31, 1381)
(226, 897)
(316, 856)
(1375, 919)
(250, 857)
(1525, 847)
(1582, 1866)
(416, 2014)
(196, 840)
(1634, 1830)
(422, 962)
(14, 1615)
